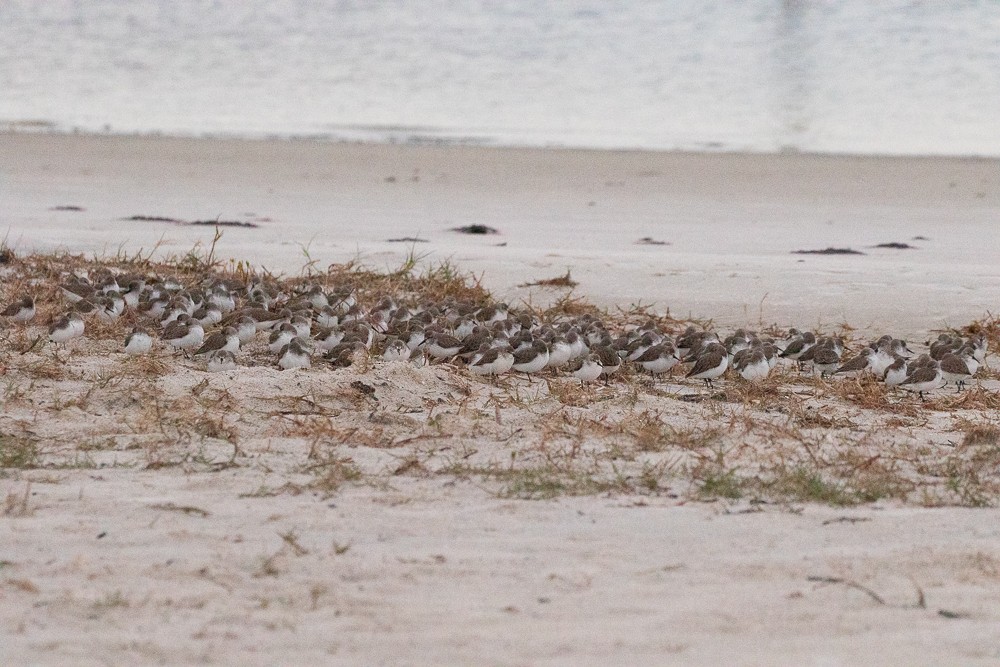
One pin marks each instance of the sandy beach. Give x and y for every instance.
(154, 513)
(731, 221)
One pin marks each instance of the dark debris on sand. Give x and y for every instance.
(200, 223)
(649, 240)
(829, 251)
(475, 229)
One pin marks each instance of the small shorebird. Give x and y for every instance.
(979, 347)
(183, 334)
(246, 329)
(442, 346)
(294, 355)
(923, 378)
(560, 352)
(864, 361)
(77, 289)
(751, 364)
(66, 328)
(658, 359)
(138, 342)
(586, 368)
(710, 364)
(281, 337)
(395, 350)
(346, 354)
(825, 359)
(303, 326)
(220, 360)
(799, 345)
(21, 311)
(532, 359)
(610, 361)
(491, 361)
(959, 367)
(327, 338)
(895, 373)
(227, 339)
(207, 315)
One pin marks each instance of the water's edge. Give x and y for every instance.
(394, 136)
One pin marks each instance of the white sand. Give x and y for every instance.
(112, 560)
(439, 575)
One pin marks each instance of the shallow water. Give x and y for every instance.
(895, 76)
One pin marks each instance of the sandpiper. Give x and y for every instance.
(184, 334)
(636, 348)
(532, 359)
(138, 342)
(294, 355)
(220, 360)
(85, 307)
(923, 378)
(491, 361)
(751, 364)
(959, 367)
(347, 354)
(246, 329)
(303, 325)
(899, 347)
(463, 327)
(610, 361)
(77, 289)
(881, 356)
(944, 345)
(66, 328)
(710, 364)
(317, 297)
(131, 294)
(327, 338)
(208, 315)
(442, 346)
(658, 359)
(979, 347)
(799, 345)
(281, 337)
(586, 368)
(227, 339)
(737, 341)
(222, 298)
(825, 359)
(560, 352)
(895, 373)
(22, 310)
(688, 341)
(577, 344)
(106, 310)
(395, 350)
(327, 317)
(265, 319)
(864, 361)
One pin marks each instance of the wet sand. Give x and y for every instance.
(730, 223)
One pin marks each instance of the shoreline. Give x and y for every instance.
(729, 222)
(429, 139)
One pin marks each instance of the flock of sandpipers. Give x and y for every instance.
(212, 322)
